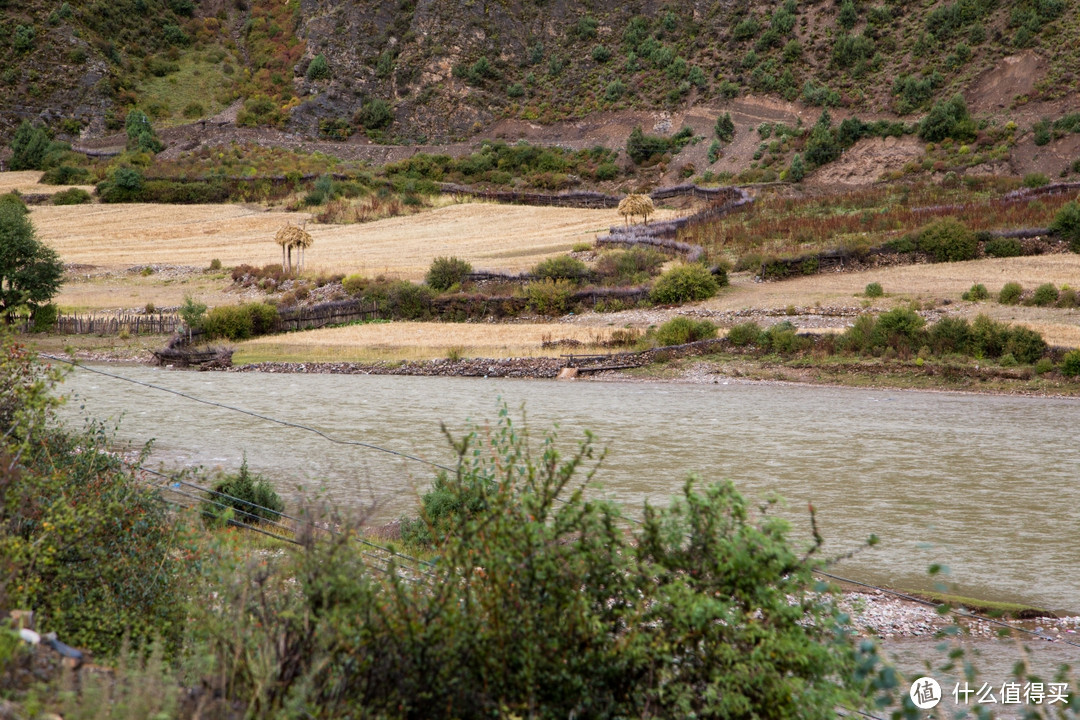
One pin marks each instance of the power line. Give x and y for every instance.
(397, 453)
(176, 480)
(250, 413)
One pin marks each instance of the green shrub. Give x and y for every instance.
(797, 170)
(601, 54)
(950, 335)
(606, 171)
(1067, 224)
(1025, 345)
(374, 114)
(71, 196)
(988, 337)
(615, 90)
(563, 267)
(13, 200)
(85, 543)
(681, 330)
(629, 267)
(684, 283)
(1070, 364)
(874, 290)
(725, 128)
(408, 301)
(1045, 294)
(318, 68)
(445, 272)
(856, 338)
(355, 284)
(1041, 132)
(976, 293)
(541, 575)
(245, 498)
(1010, 293)
(44, 317)
(948, 240)
(903, 245)
(239, 322)
(1003, 247)
(1068, 298)
(948, 119)
(743, 334)
(29, 146)
(1036, 180)
(782, 338)
(641, 147)
(900, 329)
(549, 297)
(65, 175)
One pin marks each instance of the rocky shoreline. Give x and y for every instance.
(539, 367)
(879, 614)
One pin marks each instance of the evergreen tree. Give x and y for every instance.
(30, 271)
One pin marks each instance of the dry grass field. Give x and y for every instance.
(490, 236)
(418, 341)
(26, 182)
(934, 282)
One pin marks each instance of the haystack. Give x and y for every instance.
(634, 205)
(289, 237)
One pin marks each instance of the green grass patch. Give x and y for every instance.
(990, 608)
(197, 80)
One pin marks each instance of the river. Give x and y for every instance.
(984, 485)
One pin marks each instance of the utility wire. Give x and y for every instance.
(176, 480)
(271, 522)
(397, 453)
(250, 413)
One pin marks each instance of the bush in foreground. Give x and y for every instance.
(537, 603)
(83, 542)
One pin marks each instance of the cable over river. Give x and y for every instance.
(985, 485)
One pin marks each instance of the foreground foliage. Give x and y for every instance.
(538, 603)
(84, 544)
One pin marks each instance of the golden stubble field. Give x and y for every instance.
(26, 182)
(929, 283)
(419, 341)
(490, 236)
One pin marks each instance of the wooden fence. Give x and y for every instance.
(133, 323)
(323, 314)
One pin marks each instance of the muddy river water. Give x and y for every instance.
(988, 486)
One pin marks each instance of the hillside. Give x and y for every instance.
(440, 70)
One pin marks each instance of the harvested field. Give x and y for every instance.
(924, 282)
(928, 283)
(503, 237)
(26, 182)
(419, 340)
